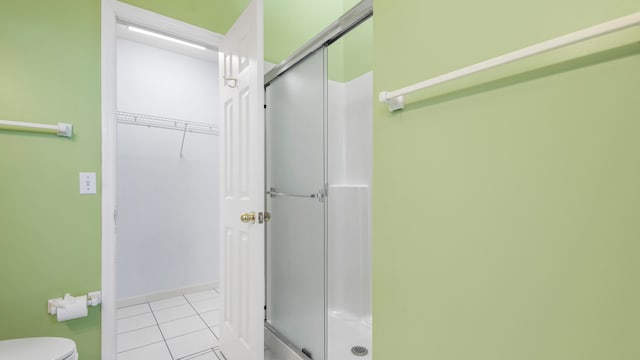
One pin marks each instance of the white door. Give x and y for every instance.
(242, 186)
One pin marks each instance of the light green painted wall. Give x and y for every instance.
(49, 234)
(358, 47)
(214, 15)
(358, 51)
(290, 24)
(505, 216)
(352, 55)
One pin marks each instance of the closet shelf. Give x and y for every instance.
(123, 117)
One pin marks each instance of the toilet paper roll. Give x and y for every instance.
(72, 308)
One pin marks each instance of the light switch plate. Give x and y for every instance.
(87, 183)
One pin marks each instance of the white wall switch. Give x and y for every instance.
(87, 183)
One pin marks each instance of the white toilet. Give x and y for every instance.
(38, 348)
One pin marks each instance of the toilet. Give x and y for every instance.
(38, 348)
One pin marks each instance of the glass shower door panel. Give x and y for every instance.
(296, 233)
(297, 278)
(297, 127)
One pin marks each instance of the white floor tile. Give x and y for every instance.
(207, 305)
(208, 355)
(138, 338)
(184, 326)
(212, 318)
(202, 295)
(157, 351)
(135, 322)
(133, 310)
(174, 313)
(167, 303)
(182, 346)
(216, 331)
(219, 354)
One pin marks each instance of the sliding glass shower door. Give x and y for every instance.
(296, 199)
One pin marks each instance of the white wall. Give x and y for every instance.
(350, 173)
(167, 206)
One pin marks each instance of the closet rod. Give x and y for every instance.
(395, 99)
(61, 129)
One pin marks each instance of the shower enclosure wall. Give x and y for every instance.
(349, 216)
(319, 195)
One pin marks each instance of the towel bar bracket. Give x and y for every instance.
(394, 103)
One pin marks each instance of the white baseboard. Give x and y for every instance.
(140, 299)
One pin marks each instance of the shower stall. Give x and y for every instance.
(318, 241)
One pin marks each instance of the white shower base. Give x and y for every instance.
(346, 331)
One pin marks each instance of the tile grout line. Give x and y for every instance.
(197, 312)
(176, 319)
(216, 354)
(201, 319)
(185, 334)
(151, 310)
(169, 307)
(162, 334)
(175, 306)
(139, 347)
(146, 327)
(157, 324)
(126, 317)
(197, 354)
(130, 331)
(221, 354)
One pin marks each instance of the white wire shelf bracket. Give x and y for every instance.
(123, 117)
(61, 129)
(396, 101)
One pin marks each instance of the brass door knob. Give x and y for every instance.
(248, 218)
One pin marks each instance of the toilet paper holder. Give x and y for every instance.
(94, 298)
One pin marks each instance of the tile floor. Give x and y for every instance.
(181, 327)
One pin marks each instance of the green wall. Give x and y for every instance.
(352, 55)
(214, 15)
(358, 47)
(49, 234)
(358, 51)
(289, 24)
(506, 214)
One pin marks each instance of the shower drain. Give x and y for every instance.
(359, 350)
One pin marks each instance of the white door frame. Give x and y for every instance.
(113, 11)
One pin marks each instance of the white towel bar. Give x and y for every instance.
(395, 99)
(61, 129)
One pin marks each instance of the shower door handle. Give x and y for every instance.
(320, 195)
(273, 193)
